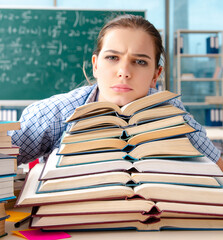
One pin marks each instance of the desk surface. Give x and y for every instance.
(130, 235)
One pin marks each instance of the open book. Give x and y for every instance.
(124, 178)
(149, 191)
(89, 158)
(114, 217)
(150, 225)
(182, 165)
(148, 115)
(101, 108)
(146, 136)
(172, 146)
(149, 208)
(159, 129)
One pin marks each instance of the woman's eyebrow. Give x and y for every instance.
(134, 54)
(114, 51)
(141, 55)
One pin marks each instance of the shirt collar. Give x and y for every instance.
(93, 95)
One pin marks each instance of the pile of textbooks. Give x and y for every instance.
(8, 168)
(126, 168)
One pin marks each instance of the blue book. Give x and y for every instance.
(212, 45)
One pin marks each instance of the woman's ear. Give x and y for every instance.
(94, 64)
(157, 73)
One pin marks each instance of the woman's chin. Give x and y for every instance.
(120, 100)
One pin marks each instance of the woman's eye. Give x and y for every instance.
(141, 62)
(112, 58)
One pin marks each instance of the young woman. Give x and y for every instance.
(126, 65)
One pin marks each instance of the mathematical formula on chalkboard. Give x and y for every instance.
(42, 51)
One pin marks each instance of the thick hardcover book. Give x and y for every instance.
(182, 165)
(102, 218)
(150, 225)
(6, 181)
(13, 150)
(148, 115)
(118, 217)
(165, 146)
(146, 207)
(9, 125)
(7, 164)
(149, 191)
(2, 210)
(133, 134)
(101, 108)
(2, 225)
(125, 178)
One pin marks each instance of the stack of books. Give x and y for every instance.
(3, 217)
(6, 146)
(8, 168)
(126, 168)
(19, 179)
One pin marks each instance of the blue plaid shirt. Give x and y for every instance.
(42, 125)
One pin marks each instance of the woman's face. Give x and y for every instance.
(125, 67)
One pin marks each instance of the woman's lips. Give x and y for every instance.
(121, 88)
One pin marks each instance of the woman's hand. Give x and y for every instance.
(220, 163)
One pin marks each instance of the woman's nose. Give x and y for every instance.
(124, 72)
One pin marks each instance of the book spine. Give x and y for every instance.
(8, 115)
(214, 117)
(212, 45)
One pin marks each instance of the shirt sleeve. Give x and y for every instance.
(40, 130)
(199, 138)
(43, 123)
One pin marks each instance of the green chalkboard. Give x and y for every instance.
(42, 51)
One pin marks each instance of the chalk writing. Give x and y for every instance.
(42, 51)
